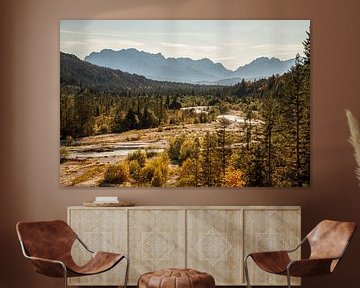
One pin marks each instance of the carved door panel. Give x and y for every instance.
(101, 230)
(270, 230)
(157, 240)
(214, 244)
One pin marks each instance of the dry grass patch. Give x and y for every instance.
(93, 172)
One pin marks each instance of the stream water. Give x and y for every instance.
(118, 150)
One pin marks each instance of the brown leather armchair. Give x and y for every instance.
(48, 245)
(328, 242)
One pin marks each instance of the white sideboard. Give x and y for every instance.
(211, 239)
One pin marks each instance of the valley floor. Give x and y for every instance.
(88, 157)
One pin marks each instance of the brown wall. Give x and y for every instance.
(29, 119)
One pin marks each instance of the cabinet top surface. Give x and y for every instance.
(193, 207)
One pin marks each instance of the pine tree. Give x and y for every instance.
(187, 173)
(270, 113)
(307, 49)
(84, 111)
(223, 143)
(130, 121)
(296, 118)
(209, 161)
(196, 156)
(305, 128)
(148, 119)
(246, 129)
(67, 116)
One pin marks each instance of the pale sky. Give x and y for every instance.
(233, 43)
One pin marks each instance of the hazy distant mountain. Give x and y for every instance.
(203, 71)
(259, 68)
(264, 67)
(157, 67)
(79, 73)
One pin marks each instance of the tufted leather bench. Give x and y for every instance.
(176, 278)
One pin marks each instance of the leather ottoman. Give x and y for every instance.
(176, 278)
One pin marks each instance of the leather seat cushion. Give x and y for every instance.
(176, 278)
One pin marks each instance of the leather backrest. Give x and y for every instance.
(46, 239)
(329, 238)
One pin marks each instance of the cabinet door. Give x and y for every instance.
(271, 230)
(156, 240)
(101, 230)
(214, 244)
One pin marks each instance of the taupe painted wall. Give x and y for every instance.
(29, 119)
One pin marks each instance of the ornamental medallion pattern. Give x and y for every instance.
(99, 240)
(270, 241)
(156, 241)
(213, 246)
(213, 243)
(155, 246)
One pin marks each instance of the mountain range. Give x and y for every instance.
(78, 73)
(187, 70)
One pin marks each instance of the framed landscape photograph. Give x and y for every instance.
(185, 103)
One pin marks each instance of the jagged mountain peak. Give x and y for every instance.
(183, 69)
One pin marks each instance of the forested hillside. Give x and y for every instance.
(78, 73)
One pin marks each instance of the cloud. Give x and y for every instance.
(174, 45)
(208, 47)
(89, 33)
(232, 43)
